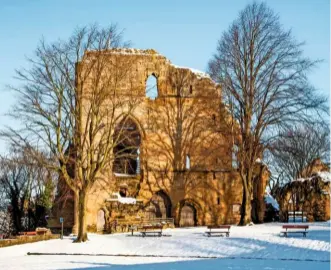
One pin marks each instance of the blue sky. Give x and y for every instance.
(184, 31)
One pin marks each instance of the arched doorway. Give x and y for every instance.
(161, 204)
(101, 221)
(127, 150)
(187, 216)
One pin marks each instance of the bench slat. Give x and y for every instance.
(219, 226)
(295, 227)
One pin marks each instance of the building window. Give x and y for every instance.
(214, 175)
(151, 87)
(218, 200)
(191, 90)
(235, 150)
(188, 162)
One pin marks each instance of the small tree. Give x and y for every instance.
(69, 104)
(293, 152)
(27, 188)
(263, 75)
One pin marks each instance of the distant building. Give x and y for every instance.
(307, 198)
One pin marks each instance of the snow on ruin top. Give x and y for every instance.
(132, 51)
(324, 176)
(200, 74)
(116, 197)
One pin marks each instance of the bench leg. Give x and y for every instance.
(227, 234)
(304, 234)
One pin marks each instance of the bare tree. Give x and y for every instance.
(70, 102)
(294, 151)
(27, 188)
(263, 75)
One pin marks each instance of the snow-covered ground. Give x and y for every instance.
(251, 247)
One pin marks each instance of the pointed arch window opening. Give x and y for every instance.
(188, 162)
(151, 87)
(235, 150)
(127, 151)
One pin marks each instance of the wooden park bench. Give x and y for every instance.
(28, 233)
(218, 230)
(42, 231)
(295, 229)
(153, 230)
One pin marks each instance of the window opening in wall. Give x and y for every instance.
(188, 162)
(138, 161)
(151, 87)
(235, 150)
(191, 90)
(127, 149)
(214, 175)
(218, 200)
(123, 190)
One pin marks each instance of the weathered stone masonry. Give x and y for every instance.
(191, 178)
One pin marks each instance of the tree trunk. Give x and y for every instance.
(245, 212)
(76, 214)
(82, 234)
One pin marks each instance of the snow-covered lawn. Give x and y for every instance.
(251, 247)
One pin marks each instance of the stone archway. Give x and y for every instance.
(161, 205)
(187, 216)
(101, 220)
(187, 213)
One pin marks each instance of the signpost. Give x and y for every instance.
(61, 221)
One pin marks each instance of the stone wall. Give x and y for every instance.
(27, 239)
(185, 123)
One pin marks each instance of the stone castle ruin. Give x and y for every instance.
(176, 160)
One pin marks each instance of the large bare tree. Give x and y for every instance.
(69, 102)
(263, 75)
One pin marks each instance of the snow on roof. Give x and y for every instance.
(269, 199)
(325, 176)
(116, 197)
(200, 74)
